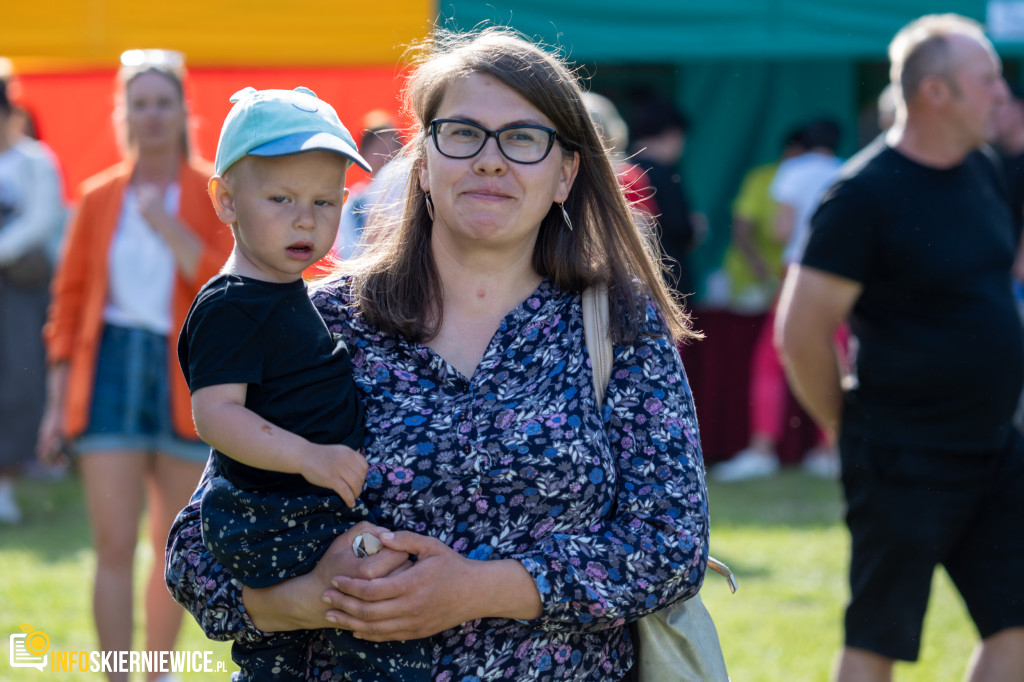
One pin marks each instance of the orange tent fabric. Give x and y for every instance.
(73, 111)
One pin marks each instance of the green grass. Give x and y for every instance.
(46, 571)
(785, 541)
(782, 537)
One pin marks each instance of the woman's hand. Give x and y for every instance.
(178, 236)
(50, 441)
(301, 603)
(151, 203)
(441, 590)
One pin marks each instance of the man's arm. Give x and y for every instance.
(812, 305)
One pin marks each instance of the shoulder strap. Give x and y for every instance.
(597, 337)
(596, 334)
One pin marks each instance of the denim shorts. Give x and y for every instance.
(131, 401)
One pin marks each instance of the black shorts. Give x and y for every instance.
(909, 510)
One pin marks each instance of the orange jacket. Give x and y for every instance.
(75, 326)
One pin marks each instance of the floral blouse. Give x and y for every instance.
(605, 506)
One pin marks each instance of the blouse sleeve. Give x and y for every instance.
(75, 272)
(652, 548)
(200, 583)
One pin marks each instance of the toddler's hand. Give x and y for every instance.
(339, 468)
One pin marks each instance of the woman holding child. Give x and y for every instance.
(143, 241)
(523, 523)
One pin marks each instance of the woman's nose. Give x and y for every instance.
(490, 159)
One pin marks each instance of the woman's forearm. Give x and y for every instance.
(200, 584)
(651, 550)
(510, 591)
(51, 427)
(295, 604)
(440, 590)
(56, 384)
(224, 608)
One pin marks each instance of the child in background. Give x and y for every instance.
(272, 391)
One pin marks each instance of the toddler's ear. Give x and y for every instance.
(223, 199)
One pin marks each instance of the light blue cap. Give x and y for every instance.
(279, 123)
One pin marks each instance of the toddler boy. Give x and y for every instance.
(272, 392)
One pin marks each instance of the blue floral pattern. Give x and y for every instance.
(605, 507)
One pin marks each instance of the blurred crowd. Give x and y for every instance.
(106, 284)
(751, 423)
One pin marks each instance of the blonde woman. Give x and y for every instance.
(143, 241)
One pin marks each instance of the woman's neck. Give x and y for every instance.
(159, 168)
(484, 281)
(479, 291)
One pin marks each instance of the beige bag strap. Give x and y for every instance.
(596, 335)
(680, 643)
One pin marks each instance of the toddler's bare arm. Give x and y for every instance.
(224, 422)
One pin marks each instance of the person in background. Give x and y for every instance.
(143, 241)
(800, 183)
(796, 188)
(1009, 142)
(615, 133)
(379, 145)
(659, 139)
(877, 116)
(914, 245)
(753, 262)
(886, 106)
(31, 218)
(541, 522)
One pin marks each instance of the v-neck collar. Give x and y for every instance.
(509, 329)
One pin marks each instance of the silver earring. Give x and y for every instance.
(565, 216)
(430, 205)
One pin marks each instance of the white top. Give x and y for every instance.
(32, 210)
(800, 182)
(142, 269)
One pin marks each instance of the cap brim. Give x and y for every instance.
(307, 142)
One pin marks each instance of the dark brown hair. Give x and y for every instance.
(396, 281)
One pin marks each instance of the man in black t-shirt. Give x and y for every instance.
(914, 245)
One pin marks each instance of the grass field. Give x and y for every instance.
(46, 569)
(782, 537)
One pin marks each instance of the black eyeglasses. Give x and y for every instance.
(458, 139)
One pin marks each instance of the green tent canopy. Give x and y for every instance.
(744, 71)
